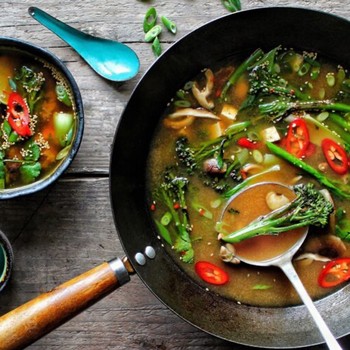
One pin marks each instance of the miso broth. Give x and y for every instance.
(284, 119)
(37, 119)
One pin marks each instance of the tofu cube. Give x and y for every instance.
(270, 134)
(228, 112)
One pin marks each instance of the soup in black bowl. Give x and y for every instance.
(41, 118)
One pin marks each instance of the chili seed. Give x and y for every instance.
(331, 154)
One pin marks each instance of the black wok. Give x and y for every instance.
(278, 328)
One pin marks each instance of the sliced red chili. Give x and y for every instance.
(336, 156)
(248, 143)
(335, 272)
(211, 273)
(19, 117)
(298, 139)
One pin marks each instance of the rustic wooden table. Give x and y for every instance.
(68, 228)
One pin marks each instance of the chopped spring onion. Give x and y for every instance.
(322, 93)
(170, 25)
(341, 75)
(150, 19)
(304, 69)
(261, 287)
(232, 5)
(182, 103)
(270, 159)
(63, 95)
(156, 47)
(166, 219)
(188, 85)
(153, 33)
(322, 116)
(330, 78)
(164, 232)
(63, 152)
(315, 72)
(257, 155)
(215, 203)
(202, 211)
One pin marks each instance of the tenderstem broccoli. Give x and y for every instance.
(172, 193)
(279, 107)
(232, 80)
(192, 157)
(309, 207)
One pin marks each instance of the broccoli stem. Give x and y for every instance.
(336, 187)
(231, 192)
(262, 228)
(208, 149)
(340, 121)
(237, 73)
(340, 126)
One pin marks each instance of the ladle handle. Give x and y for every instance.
(31, 321)
(290, 272)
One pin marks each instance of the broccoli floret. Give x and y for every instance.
(309, 207)
(192, 157)
(186, 154)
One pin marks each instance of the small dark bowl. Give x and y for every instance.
(6, 260)
(33, 51)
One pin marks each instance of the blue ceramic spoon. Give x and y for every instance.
(112, 60)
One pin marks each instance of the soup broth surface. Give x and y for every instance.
(213, 140)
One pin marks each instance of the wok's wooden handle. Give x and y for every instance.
(31, 321)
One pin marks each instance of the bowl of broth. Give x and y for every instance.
(41, 118)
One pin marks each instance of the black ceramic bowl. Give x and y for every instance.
(25, 49)
(6, 260)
